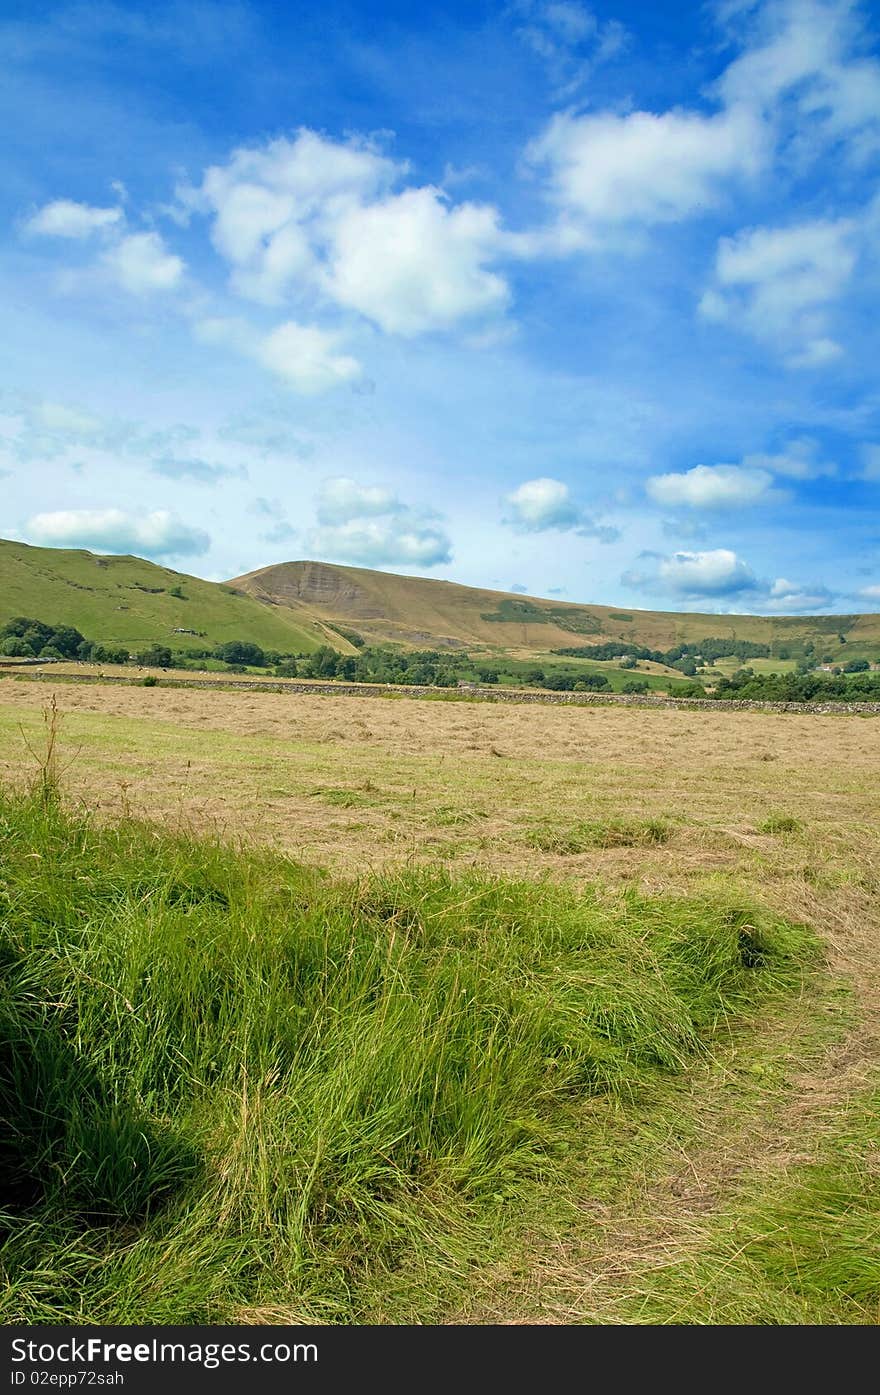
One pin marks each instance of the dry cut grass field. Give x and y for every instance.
(783, 806)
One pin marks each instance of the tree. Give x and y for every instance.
(157, 656)
(15, 648)
(239, 651)
(66, 640)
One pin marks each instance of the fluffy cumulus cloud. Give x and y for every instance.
(158, 534)
(342, 499)
(605, 168)
(393, 542)
(65, 218)
(711, 487)
(720, 579)
(719, 572)
(141, 264)
(546, 505)
(412, 263)
(322, 221)
(804, 62)
(800, 85)
(369, 526)
(716, 574)
(307, 358)
(138, 262)
(786, 597)
(777, 284)
(741, 485)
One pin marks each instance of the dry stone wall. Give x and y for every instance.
(472, 693)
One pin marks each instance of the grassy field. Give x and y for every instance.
(428, 1012)
(126, 600)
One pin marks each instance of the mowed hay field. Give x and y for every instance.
(363, 782)
(719, 1165)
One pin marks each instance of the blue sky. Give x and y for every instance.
(576, 300)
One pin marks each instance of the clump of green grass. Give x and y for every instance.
(232, 1082)
(804, 1248)
(450, 816)
(607, 833)
(343, 798)
(780, 823)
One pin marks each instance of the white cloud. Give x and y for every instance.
(413, 264)
(869, 593)
(711, 487)
(803, 61)
(342, 499)
(790, 597)
(543, 505)
(714, 574)
(798, 460)
(719, 578)
(395, 542)
(319, 221)
(800, 84)
(158, 534)
(604, 168)
(65, 218)
(140, 264)
(777, 284)
(306, 358)
(370, 526)
(540, 504)
(569, 38)
(273, 206)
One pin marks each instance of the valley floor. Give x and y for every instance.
(672, 1211)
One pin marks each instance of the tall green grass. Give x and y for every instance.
(803, 1247)
(234, 1085)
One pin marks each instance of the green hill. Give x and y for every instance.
(298, 606)
(127, 601)
(417, 611)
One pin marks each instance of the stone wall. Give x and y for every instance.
(292, 687)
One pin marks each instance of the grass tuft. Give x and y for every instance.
(780, 823)
(233, 1084)
(608, 833)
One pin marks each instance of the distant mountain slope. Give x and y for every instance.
(424, 612)
(126, 600)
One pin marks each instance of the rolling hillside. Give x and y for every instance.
(297, 606)
(442, 614)
(126, 600)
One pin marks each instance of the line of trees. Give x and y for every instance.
(799, 687)
(24, 638)
(678, 655)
